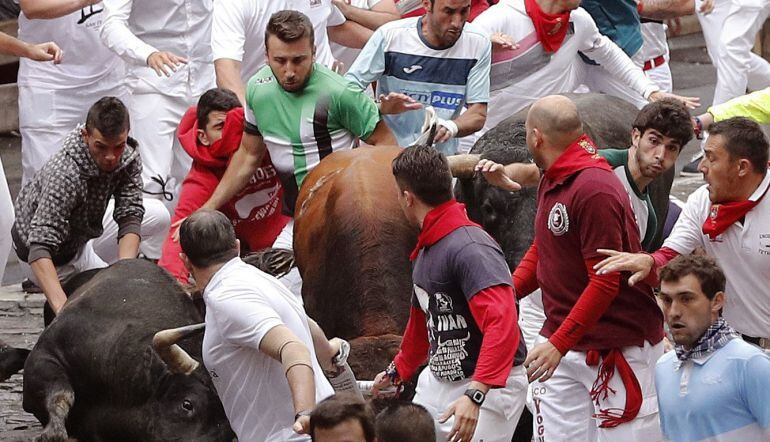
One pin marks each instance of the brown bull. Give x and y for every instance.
(351, 244)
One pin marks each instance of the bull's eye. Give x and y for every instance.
(187, 405)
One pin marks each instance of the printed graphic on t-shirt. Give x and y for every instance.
(449, 335)
(87, 13)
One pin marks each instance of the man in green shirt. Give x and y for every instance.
(299, 111)
(660, 131)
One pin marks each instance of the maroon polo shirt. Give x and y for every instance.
(582, 207)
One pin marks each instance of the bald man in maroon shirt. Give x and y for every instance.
(595, 356)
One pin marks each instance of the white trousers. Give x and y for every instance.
(737, 67)
(85, 259)
(499, 413)
(531, 317)
(563, 409)
(154, 121)
(155, 226)
(6, 222)
(46, 116)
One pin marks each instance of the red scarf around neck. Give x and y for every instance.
(581, 154)
(722, 216)
(440, 222)
(550, 28)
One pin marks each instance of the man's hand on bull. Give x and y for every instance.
(639, 264)
(446, 130)
(165, 63)
(689, 102)
(495, 174)
(395, 103)
(542, 361)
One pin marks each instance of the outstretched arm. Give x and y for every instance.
(38, 52)
(47, 9)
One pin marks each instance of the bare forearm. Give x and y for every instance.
(128, 246)
(665, 9)
(323, 351)
(46, 275)
(371, 19)
(350, 34)
(526, 174)
(229, 77)
(302, 386)
(240, 169)
(13, 46)
(471, 121)
(47, 9)
(382, 136)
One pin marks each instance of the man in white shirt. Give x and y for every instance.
(53, 99)
(539, 65)
(258, 346)
(238, 36)
(167, 45)
(729, 218)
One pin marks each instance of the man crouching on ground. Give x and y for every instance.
(463, 315)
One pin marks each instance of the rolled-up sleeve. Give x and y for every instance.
(117, 36)
(129, 210)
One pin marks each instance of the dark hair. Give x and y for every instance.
(109, 115)
(425, 172)
(405, 422)
(207, 237)
(669, 117)
(743, 139)
(703, 268)
(216, 99)
(290, 26)
(339, 408)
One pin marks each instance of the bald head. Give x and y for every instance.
(556, 117)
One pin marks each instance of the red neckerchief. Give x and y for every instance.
(440, 222)
(581, 154)
(722, 216)
(550, 28)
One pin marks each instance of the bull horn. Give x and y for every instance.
(176, 359)
(463, 165)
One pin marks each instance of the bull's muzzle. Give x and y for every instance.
(176, 359)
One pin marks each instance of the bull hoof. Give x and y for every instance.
(53, 433)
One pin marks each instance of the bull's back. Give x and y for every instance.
(352, 242)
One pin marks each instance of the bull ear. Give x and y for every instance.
(165, 345)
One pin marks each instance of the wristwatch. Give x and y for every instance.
(477, 396)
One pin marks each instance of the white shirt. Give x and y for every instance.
(519, 77)
(239, 29)
(743, 253)
(134, 29)
(344, 54)
(242, 305)
(86, 62)
(655, 43)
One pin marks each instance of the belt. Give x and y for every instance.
(655, 62)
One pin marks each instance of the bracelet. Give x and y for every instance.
(302, 413)
(698, 129)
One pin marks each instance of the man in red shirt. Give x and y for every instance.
(463, 316)
(210, 133)
(596, 352)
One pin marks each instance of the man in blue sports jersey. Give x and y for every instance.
(714, 386)
(434, 60)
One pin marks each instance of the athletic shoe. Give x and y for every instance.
(691, 169)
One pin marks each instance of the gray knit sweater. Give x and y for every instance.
(63, 206)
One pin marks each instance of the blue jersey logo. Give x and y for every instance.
(446, 100)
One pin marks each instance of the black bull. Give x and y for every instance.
(352, 242)
(508, 217)
(94, 368)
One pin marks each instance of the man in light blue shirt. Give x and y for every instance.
(714, 386)
(434, 60)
